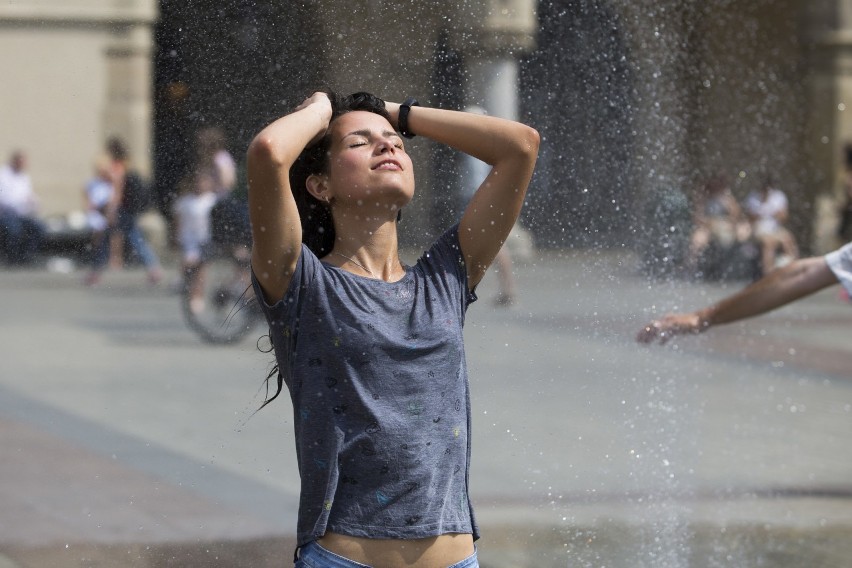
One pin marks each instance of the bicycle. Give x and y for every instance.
(224, 310)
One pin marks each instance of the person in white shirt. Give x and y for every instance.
(192, 216)
(21, 232)
(767, 209)
(97, 195)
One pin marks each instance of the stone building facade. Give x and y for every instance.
(632, 97)
(74, 72)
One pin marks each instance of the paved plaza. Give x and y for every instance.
(126, 441)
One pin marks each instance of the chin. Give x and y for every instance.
(399, 197)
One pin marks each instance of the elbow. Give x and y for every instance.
(521, 145)
(530, 141)
(263, 150)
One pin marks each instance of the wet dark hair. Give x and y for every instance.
(317, 224)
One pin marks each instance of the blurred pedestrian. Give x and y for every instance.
(192, 218)
(214, 161)
(664, 243)
(796, 280)
(97, 195)
(129, 199)
(371, 350)
(507, 294)
(767, 209)
(21, 231)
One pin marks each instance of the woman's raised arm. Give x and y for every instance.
(275, 223)
(510, 148)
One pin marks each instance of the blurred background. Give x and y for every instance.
(128, 434)
(632, 98)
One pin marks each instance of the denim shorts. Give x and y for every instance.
(312, 555)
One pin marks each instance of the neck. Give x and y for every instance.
(372, 247)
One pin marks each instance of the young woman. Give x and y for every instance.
(370, 349)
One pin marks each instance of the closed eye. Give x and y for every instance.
(364, 137)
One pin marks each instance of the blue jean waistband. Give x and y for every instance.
(312, 555)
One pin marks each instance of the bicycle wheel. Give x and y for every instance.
(224, 310)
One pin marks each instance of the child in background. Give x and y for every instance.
(192, 214)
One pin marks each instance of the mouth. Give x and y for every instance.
(391, 165)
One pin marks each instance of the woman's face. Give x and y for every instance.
(368, 165)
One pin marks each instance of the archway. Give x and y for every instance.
(215, 66)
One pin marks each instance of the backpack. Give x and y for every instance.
(136, 196)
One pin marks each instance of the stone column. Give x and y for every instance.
(128, 109)
(499, 32)
(492, 88)
(74, 72)
(830, 128)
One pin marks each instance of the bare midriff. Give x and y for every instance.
(434, 552)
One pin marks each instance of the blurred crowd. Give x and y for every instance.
(710, 235)
(114, 197)
(713, 235)
(752, 233)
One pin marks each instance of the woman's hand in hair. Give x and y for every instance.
(319, 102)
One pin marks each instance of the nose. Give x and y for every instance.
(385, 145)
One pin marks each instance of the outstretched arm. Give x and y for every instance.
(510, 148)
(275, 224)
(778, 288)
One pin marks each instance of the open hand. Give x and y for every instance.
(662, 330)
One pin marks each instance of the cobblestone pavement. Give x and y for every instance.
(128, 442)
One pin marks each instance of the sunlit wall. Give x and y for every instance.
(74, 72)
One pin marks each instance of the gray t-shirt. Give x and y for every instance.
(377, 376)
(840, 262)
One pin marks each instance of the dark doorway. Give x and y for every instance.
(447, 92)
(576, 88)
(235, 65)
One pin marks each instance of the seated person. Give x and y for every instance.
(22, 231)
(717, 218)
(767, 210)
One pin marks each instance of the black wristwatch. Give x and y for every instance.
(402, 118)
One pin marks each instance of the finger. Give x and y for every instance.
(646, 334)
